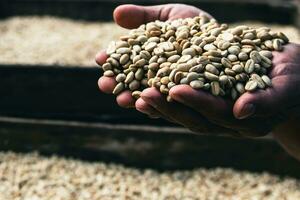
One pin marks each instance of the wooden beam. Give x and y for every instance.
(54, 91)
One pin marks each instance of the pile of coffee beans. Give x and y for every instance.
(198, 52)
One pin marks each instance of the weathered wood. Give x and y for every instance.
(50, 125)
(60, 92)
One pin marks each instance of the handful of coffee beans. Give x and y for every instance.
(194, 51)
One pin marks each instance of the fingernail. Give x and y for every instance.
(246, 111)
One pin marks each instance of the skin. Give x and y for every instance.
(254, 114)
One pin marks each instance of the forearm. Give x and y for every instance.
(288, 135)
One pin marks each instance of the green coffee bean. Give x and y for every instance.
(194, 51)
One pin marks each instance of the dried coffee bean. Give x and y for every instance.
(266, 80)
(109, 73)
(196, 84)
(195, 51)
(119, 88)
(120, 77)
(251, 86)
(215, 88)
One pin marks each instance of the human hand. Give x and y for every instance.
(253, 114)
(218, 115)
(132, 16)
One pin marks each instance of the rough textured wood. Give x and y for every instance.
(58, 92)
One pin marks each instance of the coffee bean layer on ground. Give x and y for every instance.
(42, 40)
(33, 177)
(54, 41)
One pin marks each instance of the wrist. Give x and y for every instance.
(287, 134)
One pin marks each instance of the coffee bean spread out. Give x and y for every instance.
(198, 52)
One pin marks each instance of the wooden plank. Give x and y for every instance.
(50, 125)
(55, 92)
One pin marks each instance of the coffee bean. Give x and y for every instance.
(195, 51)
(215, 88)
(212, 69)
(124, 59)
(119, 87)
(266, 80)
(109, 73)
(196, 84)
(120, 77)
(136, 94)
(251, 86)
(106, 66)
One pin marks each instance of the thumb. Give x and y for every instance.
(132, 16)
(262, 102)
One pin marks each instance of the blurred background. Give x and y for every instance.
(50, 101)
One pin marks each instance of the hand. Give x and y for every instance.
(132, 16)
(253, 114)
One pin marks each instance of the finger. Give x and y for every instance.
(201, 101)
(288, 55)
(107, 84)
(177, 11)
(265, 102)
(215, 109)
(101, 57)
(125, 100)
(147, 109)
(132, 16)
(179, 113)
